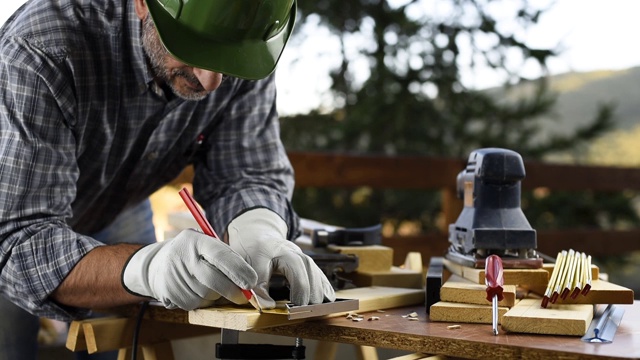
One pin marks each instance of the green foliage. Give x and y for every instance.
(412, 101)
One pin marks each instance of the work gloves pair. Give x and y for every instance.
(193, 270)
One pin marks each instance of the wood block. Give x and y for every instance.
(464, 313)
(532, 277)
(370, 258)
(75, 337)
(395, 277)
(244, 318)
(602, 292)
(413, 261)
(460, 290)
(528, 317)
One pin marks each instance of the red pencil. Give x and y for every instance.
(208, 229)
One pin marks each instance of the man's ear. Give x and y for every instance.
(141, 9)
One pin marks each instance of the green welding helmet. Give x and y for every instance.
(241, 38)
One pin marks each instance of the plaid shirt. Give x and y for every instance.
(85, 132)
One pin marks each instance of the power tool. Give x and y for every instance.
(492, 221)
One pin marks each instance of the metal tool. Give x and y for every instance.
(363, 236)
(492, 221)
(494, 279)
(434, 281)
(604, 325)
(230, 348)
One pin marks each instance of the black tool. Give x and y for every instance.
(364, 236)
(230, 348)
(492, 221)
(434, 281)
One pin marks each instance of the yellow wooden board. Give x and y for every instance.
(459, 290)
(395, 277)
(370, 258)
(464, 313)
(533, 277)
(243, 318)
(528, 317)
(602, 292)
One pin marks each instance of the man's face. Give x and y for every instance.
(185, 81)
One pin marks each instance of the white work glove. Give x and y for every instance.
(190, 271)
(259, 236)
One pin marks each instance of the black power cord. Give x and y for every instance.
(136, 331)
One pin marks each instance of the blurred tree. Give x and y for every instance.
(397, 90)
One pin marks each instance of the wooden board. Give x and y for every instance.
(602, 292)
(461, 290)
(243, 318)
(370, 258)
(395, 277)
(528, 317)
(464, 313)
(532, 277)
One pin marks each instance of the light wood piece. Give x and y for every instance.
(242, 318)
(370, 258)
(602, 292)
(461, 290)
(533, 277)
(394, 277)
(528, 317)
(464, 313)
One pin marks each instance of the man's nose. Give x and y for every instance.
(208, 79)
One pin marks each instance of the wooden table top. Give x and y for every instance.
(469, 341)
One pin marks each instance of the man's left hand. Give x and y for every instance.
(259, 236)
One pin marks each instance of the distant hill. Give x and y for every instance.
(579, 94)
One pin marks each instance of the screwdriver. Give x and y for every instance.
(494, 279)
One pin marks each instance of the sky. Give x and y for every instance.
(594, 35)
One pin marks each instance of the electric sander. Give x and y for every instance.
(492, 221)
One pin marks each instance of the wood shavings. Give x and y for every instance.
(454, 327)
(355, 317)
(413, 315)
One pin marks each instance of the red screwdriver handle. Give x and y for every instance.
(494, 277)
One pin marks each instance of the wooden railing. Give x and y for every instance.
(431, 173)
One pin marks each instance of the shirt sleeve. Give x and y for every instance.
(246, 165)
(38, 175)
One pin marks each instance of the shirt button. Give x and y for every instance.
(152, 156)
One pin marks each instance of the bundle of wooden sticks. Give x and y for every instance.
(571, 277)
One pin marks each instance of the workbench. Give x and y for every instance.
(469, 341)
(394, 331)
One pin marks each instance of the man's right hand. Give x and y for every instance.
(190, 271)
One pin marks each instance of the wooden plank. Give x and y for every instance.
(243, 318)
(531, 277)
(460, 290)
(366, 353)
(464, 313)
(314, 169)
(602, 292)
(107, 334)
(370, 258)
(528, 317)
(75, 337)
(394, 277)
